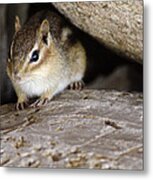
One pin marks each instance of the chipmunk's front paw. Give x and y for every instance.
(79, 85)
(22, 102)
(40, 102)
(43, 100)
(21, 105)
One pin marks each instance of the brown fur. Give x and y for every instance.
(62, 58)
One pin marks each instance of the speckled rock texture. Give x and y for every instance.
(87, 129)
(118, 24)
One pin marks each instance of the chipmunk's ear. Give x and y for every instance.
(44, 30)
(17, 24)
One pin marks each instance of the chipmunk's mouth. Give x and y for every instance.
(19, 80)
(22, 81)
(25, 81)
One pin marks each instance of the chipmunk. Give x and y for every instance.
(45, 57)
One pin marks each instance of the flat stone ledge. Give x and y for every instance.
(87, 129)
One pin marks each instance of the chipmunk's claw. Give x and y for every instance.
(21, 105)
(40, 102)
(79, 85)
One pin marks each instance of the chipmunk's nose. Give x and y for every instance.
(17, 75)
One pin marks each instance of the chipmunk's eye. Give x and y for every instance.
(35, 56)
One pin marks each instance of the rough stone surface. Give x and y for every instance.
(87, 129)
(117, 24)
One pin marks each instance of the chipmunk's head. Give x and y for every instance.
(29, 50)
